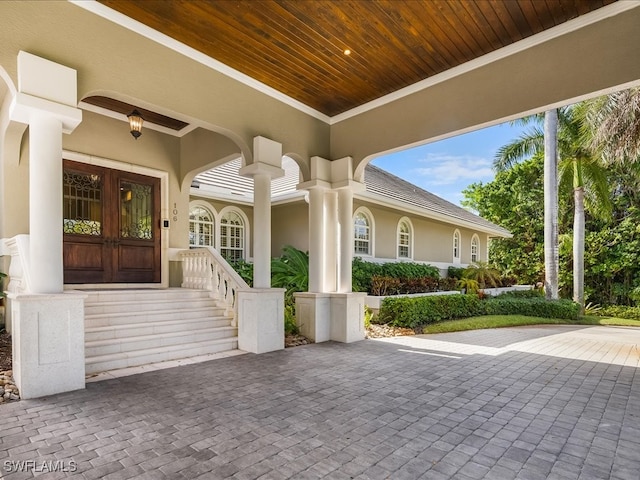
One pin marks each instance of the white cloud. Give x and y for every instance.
(446, 169)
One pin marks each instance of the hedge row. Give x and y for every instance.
(363, 272)
(619, 311)
(414, 312)
(399, 286)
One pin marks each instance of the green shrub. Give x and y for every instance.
(447, 284)
(508, 280)
(368, 316)
(532, 307)
(415, 311)
(363, 272)
(244, 269)
(290, 325)
(455, 272)
(619, 311)
(384, 285)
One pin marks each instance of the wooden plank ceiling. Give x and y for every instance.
(298, 46)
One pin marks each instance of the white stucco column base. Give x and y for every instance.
(261, 320)
(347, 317)
(331, 316)
(313, 315)
(48, 343)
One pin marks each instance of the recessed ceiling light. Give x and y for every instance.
(347, 51)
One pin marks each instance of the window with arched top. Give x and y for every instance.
(404, 238)
(475, 249)
(362, 232)
(456, 246)
(201, 226)
(232, 236)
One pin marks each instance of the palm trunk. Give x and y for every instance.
(551, 204)
(578, 248)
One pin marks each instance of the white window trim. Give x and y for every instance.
(409, 223)
(214, 213)
(247, 236)
(372, 229)
(475, 238)
(456, 260)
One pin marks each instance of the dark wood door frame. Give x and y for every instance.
(100, 246)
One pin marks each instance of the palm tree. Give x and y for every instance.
(551, 260)
(579, 169)
(482, 273)
(613, 122)
(536, 141)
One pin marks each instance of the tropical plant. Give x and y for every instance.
(469, 285)
(244, 269)
(613, 124)
(514, 199)
(291, 271)
(579, 170)
(483, 274)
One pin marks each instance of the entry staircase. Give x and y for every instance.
(128, 328)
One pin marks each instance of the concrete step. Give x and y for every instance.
(144, 342)
(113, 332)
(171, 303)
(126, 328)
(115, 361)
(150, 294)
(144, 316)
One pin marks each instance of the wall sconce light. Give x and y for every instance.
(135, 123)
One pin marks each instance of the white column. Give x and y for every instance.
(316, 239)
(331, 241)
(261, 231)
(345, 220)
(45, 204)
(46, 101)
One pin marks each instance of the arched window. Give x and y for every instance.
(232, 231)
(404, 238)
(475, 249)
(201, 226)
(362, 233)
(456, 246)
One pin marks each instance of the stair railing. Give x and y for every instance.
(18, 249)
(205, 269)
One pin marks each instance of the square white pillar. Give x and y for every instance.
(313, 315)
(48, 343)
(331, 316)
(261, 320)
(347, 317)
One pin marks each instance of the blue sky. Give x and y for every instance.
(447, 167)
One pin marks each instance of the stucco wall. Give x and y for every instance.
(289, 226)
(432, 240)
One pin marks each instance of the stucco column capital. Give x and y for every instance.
(27, 108)
(260, 168)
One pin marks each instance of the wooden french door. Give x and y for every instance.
(111, 225)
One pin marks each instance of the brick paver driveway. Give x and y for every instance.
(549, 402)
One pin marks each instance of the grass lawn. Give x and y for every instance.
(498, 321)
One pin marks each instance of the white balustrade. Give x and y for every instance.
(205, 269)
(18, 249)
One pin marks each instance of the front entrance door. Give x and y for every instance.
(111, 225)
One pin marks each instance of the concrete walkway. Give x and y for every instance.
(549, 402)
